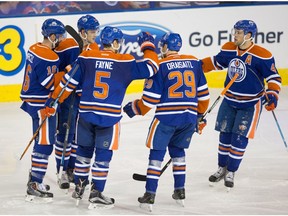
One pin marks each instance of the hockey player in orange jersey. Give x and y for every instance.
(180, 93)
(41, 65)
(103, 77)
(68, 51)
(241, 107)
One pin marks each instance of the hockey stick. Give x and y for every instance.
(273, 113)
(55, 102)
(139, 177)
(76, 36)
(221, 95)
(79, 40)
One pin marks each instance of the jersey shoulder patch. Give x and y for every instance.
(44, 52)
(260, 52)
(229, 46)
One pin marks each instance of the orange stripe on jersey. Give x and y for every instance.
(252, 130)
(150, 100)
(203, 93)
(237, 152)
(83, 170)
(153, 172)
(39, 165)
(100, 108)
(95, 173)
(35, 100)
(224, 148)
(51, 83)
(115, 139)
(176, 108)
(179, 168)
(151, 133)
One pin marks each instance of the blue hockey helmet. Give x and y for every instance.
(248, 26)
(173, 41)
(87, 22)
(53, 26)
(109, 34)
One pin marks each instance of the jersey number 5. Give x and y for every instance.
(188, 79)
(103, 87)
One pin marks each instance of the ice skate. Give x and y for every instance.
(229, 180)
(79, 191)
(179, 196)
(63, 181)
(37, 193)
(99, 201)
(217, 176)
(147, 201)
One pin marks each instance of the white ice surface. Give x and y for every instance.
(261, 184)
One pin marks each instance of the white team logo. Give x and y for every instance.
(237, 66)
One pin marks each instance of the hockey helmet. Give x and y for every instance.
(53, 26)
(173, 41)
(109, 34)
(248, 26)
(87, 22)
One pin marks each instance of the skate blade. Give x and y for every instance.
(99, 206)
(212, 184)
(228, 189)
(180, 202)
(35, 199)
(146, 206)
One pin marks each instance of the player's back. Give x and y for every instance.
(105, 77)
(181, 82)
(41, 64)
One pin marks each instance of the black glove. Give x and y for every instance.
(132, 109)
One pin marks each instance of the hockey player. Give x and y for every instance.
(104, 76)
(180, 93)
(68, 51)
(240, 110)
(41, 65)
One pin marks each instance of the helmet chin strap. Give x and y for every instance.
(164, 53)
(245, 40)
(54, 43)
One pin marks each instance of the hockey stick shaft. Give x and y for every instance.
(79, 40)
(55, 102)
(140, 177)
(273, 113)
(221, 95)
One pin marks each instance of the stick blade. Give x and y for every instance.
(139, 177)
(75, 35)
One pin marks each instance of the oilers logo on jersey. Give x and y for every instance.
(236, 65)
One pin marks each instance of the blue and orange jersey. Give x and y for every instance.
(41, 65)
(179, 90)
(104, 77)
(253, 65)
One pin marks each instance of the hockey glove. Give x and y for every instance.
(272, 99)
(50, 107)
(146, 41)
(201, 123)
(132, 109)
